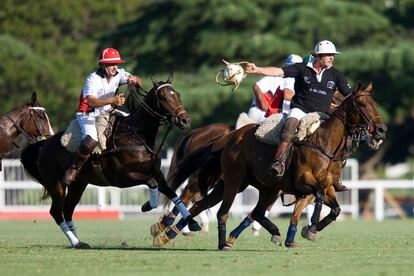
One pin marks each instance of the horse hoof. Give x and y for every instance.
(291, 244)
(227, 248)
(193, 225)
(276, 240)
(146, 207)
(82, 245)
(308, 234)
(230, 241)
(155, 229)
(160, 241)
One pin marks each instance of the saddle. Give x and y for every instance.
(269, 130)
(72, 136)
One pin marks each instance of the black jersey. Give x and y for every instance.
(313, 95)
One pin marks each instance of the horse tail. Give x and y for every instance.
(29, 159)
(187, 166)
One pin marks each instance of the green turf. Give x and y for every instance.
(125, 248)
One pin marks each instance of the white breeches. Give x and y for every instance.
(297, 113)
(88, 125)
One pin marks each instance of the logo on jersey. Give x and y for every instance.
(306, 79)
(330, 84)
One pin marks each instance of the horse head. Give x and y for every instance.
(35, 124)
(167, 103)
(362, 117)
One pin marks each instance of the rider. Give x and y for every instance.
(98, 95)
(315, 83)
(269, 92)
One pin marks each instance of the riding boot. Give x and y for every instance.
(278, 166)
(339, 187)
(286, 137)
(85, 149)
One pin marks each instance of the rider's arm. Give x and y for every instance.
(261, 103)
(267, 71)
(116, 100)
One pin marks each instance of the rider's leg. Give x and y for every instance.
(286, 138)
(85, 149)
(88, 144)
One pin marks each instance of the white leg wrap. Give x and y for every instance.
(204, 217)
(72, 227)
(69, 234)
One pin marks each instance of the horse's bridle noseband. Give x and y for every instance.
(20, 129)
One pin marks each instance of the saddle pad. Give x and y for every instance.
(269, 130)
(72, 137)
(243, 120)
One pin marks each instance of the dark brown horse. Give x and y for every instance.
(315, 164)
(130, 158)
(30, 120)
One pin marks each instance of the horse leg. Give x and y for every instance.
(209, 201)
(57, 193)
(309, 232)
(163, 188)
(300, 205)
(330, 201)
(167, 220)
(73, 197)
(266, 198)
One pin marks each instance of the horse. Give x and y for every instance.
(129, 160)
(29, 120)
(191, 142)
(314, 164)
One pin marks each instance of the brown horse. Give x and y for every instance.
(315, 164)
(191, 142)
(130, 158)
(30, 120)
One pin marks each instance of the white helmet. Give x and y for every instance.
(325, 47)
(292, 59)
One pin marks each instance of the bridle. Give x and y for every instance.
(362, 129)
(20, 129)
(168, 119)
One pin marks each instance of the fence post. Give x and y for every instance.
(101, 198)
(379, 202)
(2, 192)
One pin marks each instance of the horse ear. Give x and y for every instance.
(170, 77)
(357, 86)
(34, 100)
(155, 82)
(369, 87)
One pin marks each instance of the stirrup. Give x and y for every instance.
(278, 168)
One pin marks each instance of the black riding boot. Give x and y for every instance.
(286, 137)
(85, 149)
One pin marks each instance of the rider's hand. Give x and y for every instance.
(118, 100)
(135, 80)
(251, 68)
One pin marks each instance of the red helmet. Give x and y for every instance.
(109, 56)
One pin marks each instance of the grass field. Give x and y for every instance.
(125, 248)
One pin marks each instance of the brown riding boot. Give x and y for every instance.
(286, 137)
(278, 166)
(85, 149)
(339, 187)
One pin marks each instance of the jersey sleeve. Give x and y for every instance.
(343, 86)
(292, 71)
(123, 76)
(289, 83)
(269, 84)
(90, 87)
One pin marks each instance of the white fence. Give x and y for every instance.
(18, 194)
